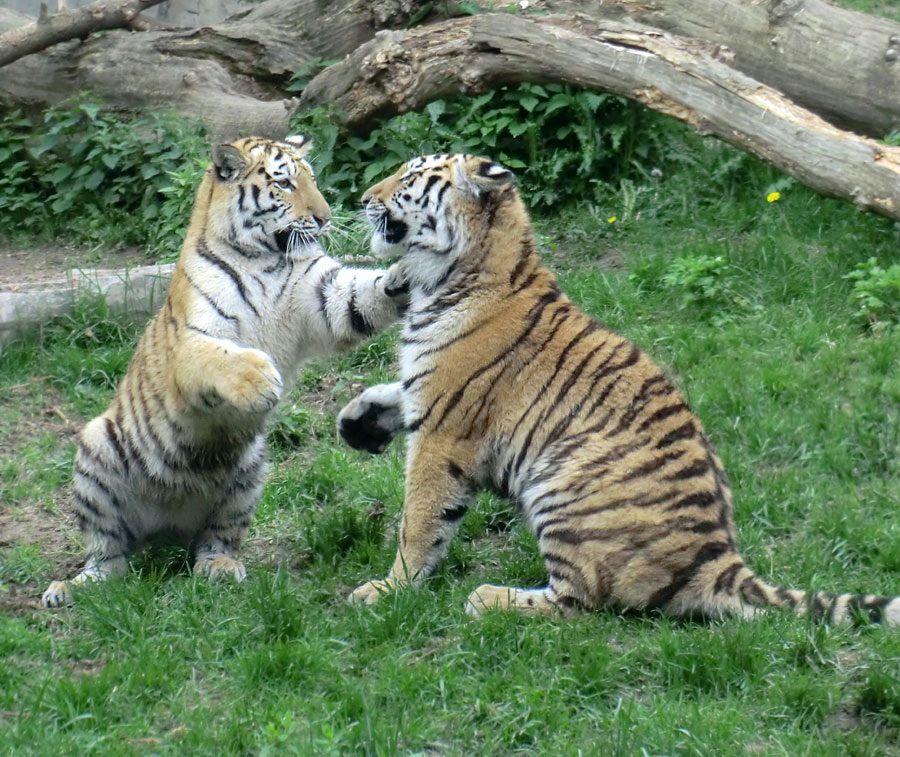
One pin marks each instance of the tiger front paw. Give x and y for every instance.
(253, 385)
(396, 284)
(58, 594)
(218, 567)
(370, 592)
(372, 419)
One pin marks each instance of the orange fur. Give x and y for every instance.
(180, 451)
(506, 384)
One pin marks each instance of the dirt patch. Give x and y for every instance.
(28, 524)
(37, 409)
(48, 263)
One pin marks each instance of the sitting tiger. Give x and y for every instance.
(180, 452)
(506, 384)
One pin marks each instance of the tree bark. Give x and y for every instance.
(232, 75)
(399, 71)
(842, 64)
(69, 24)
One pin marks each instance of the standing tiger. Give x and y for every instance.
(507, 384)
(180, 451)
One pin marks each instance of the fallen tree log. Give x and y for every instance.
(399, 71)
(841, 64)
(69, 24)
(233, 75)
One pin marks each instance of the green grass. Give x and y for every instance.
(799, 398)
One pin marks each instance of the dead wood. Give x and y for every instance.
(842, 64)
(76, 23)
(689, 80)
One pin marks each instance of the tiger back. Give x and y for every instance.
(506, 384)
(180, 451)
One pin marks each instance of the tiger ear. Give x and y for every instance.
(301, 143)
(229, 162)
(481, 176)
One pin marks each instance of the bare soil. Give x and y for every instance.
(49, 263)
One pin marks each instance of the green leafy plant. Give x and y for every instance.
(876, 292)
(84, 173)
(304, 75)
(700, 278)
(564, 144)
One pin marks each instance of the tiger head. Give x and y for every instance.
(425, 211)
(264, 196)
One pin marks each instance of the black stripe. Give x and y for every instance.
(192, 327)
(693, 470)
(526, 251)
(408, 382)
(211, 301)
(113, 437)
(651, 466)
(289, 262)
(725, 581)
(280, 262)
(753, 593)
(698, 499)
(686, 430)
(454, 513)
(822, 605)
(534, 316)
(785, 596)
(207, 254)
(324, 282)
(454, 470)
(429, 183)
(358, 322)
(639, 401)
(94, 479)
(83, 502)
(709, 552)
(873, 607)
(662, 414)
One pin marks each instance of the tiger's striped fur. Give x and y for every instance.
(506, 384)
(180, 452)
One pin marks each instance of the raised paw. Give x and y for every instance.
(58, 594)
(395, 282)
(369, 593)
(253, 384)
(370, 421)
(217, 567)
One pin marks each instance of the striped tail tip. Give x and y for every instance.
(823, 606)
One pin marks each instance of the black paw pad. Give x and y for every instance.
(364, 432)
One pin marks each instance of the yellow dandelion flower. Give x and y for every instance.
(611, 219)
(773, 196)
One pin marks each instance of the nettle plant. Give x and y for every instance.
(876, 293)
(564, 144)
(81, 171)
